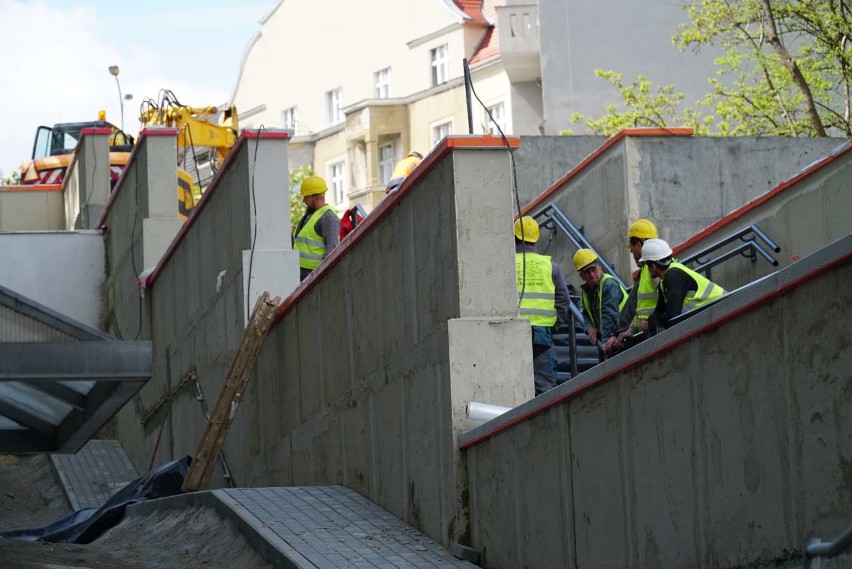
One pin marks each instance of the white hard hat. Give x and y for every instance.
(655, 250)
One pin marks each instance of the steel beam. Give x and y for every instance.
(31, 362)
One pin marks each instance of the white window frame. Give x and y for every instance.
(440, 131)
(290, 119)
(337, 181)
(383, 83)
(498, 112)
(387, 161)
(440, 65)
(334, 103)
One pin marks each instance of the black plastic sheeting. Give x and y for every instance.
(84, 526)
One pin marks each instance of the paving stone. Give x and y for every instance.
(99, 470)
(333, 526)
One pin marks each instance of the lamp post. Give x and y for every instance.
(113, 70)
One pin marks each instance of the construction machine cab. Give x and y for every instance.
(62, 138)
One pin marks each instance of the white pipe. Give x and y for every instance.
(478, 413)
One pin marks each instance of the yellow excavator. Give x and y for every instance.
(203, 143)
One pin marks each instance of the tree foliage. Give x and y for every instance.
(785, 69)
(297, 206)
(13, 180)
(644, 105)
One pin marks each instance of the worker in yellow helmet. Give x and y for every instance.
(543, 300)
(318, 232)
(681, 289)
(643, 296)
(603, 297)
(402, 169)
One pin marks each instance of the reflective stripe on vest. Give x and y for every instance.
(309, 243)
(538, 304)
(646, 296)
(707, 290)
(621, 303)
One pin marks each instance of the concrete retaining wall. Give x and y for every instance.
(364, 380)
(542, 160)
(711, 445)
(62, 270)
(31, 208)
(681, 183)
(801, 215)
(196, 304)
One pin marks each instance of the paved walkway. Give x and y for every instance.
(316, 527)
(95, 473)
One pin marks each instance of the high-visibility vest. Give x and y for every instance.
(646, 296)
(405, 167)
(707, 290)
(309, 243)
(597, 323)
(538, 302)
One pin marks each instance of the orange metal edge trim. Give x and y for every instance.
(32, 188)
(388, 204)
(789, 182)
(599, 151)
(710, 326)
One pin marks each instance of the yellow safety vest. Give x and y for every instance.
(405, 167)
(707, 290)
(646, 296)
(309, 243)
(538, 303)
(597, 323)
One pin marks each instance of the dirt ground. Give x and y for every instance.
(30, 496)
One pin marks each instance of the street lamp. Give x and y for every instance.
(113, 70)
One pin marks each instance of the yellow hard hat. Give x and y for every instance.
(313, 185)
(583, 258)
(642, 229)
(530, 229)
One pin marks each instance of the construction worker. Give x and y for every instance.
(318, 232)
(680, 289)
(603, 297)
(643, 296)
(402, 169)
(543, 300)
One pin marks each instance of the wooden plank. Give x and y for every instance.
(217, 427)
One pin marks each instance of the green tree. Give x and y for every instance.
(297, 206)
(13, 180)
(644, 105)
(785, 68)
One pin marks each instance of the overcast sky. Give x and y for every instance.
(55, 54)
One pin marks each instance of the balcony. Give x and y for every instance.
(520, 47)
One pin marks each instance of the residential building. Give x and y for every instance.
(362, 84)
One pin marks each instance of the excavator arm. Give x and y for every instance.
(196, 127)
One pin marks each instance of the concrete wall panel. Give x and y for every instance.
(814, 211)
(37, 210)
(63, 271)
(723, 451)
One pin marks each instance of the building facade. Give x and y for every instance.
(362, 84)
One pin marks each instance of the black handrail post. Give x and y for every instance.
(572, 344)
(467, 82)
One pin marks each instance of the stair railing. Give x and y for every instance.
(749, 248)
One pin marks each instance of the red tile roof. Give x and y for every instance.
(483, 12)
(473, 8)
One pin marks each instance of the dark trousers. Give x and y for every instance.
(544, 359)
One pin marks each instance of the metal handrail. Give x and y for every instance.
(559, 220)
(815, 549)
(749, 248)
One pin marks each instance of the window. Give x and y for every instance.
(439, 65)
(498, 119)
(337, 175)
(386, 162)
(382, 80)
(290, 118)
(333, 102)
(440, 132)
